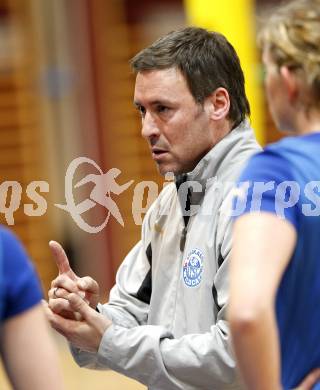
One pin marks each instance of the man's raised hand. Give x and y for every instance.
(68, 282)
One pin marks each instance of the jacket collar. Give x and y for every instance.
(214, 163)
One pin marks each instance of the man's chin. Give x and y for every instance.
(164, 170)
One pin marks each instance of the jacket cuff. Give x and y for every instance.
(106, 355)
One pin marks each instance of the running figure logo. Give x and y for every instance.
(105, 185)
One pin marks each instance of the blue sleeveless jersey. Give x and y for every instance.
(295, 160)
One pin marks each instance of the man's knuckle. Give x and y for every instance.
(74, 301)
(62, 293)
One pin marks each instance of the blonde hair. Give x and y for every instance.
(292, 37)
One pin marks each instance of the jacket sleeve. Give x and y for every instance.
(152, 356)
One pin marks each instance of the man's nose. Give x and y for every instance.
(149, 126)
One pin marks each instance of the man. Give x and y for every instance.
(164, 324)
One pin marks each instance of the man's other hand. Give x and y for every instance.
(86, 333)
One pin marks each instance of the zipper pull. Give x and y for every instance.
(183, 239)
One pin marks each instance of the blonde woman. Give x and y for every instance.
(274, 308)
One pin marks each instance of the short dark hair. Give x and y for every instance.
(206, 59)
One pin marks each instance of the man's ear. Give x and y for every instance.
(218, 104)
(290, 83)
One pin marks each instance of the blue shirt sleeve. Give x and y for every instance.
(267, 184)
(20, 288)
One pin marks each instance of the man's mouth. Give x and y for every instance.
(158, 153)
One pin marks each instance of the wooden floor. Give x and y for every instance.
(82, 379)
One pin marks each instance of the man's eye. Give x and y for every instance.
(161, 109)
(142, 110)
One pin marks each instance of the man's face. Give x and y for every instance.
(176, 127)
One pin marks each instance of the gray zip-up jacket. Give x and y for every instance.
(168, 306)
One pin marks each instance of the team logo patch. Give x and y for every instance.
(193, 268)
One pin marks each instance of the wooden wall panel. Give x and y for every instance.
(21, 151)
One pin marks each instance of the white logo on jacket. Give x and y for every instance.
(193, 268)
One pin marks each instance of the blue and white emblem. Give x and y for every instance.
(193, 268)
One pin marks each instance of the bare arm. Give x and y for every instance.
(262, 248)
(28, 352)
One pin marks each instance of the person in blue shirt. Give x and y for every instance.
(27, 351)
(274, 307)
